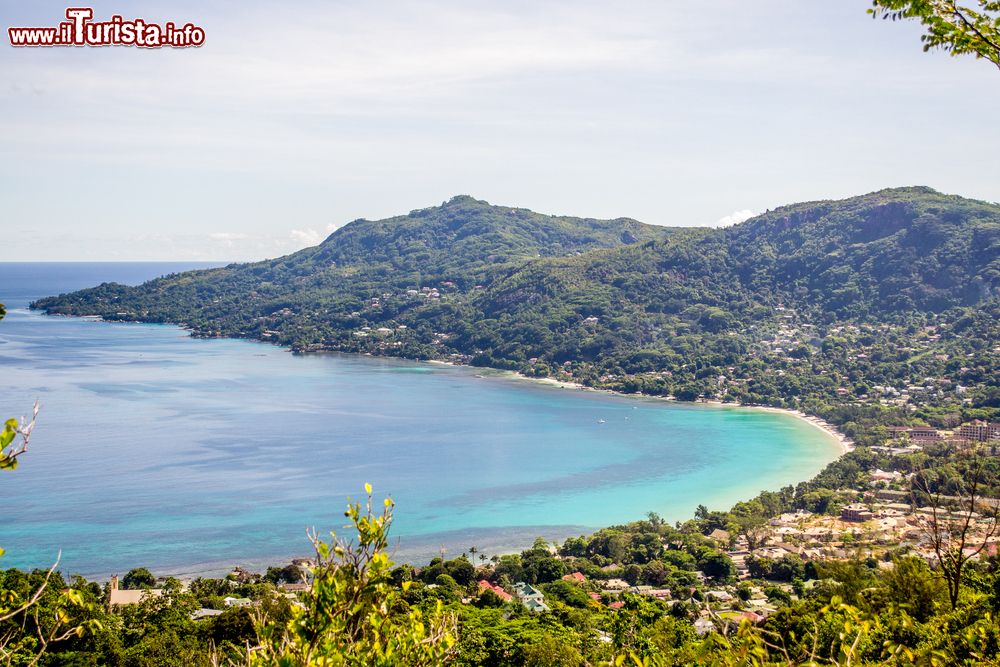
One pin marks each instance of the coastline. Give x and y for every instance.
(843, 442)
(846, 444)
(517, 537)
(501, 541)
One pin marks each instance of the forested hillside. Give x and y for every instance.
(311, 296)
(802, 290)
(877, 313)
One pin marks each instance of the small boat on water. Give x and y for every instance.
(601, 421)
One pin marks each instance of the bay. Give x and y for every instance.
(189, 456)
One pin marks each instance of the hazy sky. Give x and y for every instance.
(296, 117)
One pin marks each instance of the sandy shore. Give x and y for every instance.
(845, 443)
(502, 541)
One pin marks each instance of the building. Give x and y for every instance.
(703, 626)
(487, 586)
(856, 512)
(720, 536)
(879, 476)
(530, 597)
(614, 585)
(979, 431)
(237, 602)
(914, 433)
(295, 588)
(575, 577)
(119, 597)
(658, 593)
(719, 596)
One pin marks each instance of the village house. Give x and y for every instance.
(530, 597)
(295, 588)
(119, 597)
(487, 586)
(720, 536)
(237, 602)
(615, 585)
(703, 626)
(657, 593)
(718, 596)
(882, 477)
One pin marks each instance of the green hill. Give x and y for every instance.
(310, 295)
(621, 304)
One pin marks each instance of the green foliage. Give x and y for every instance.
(138, 578)
(38, 611)
(958, 29)
(353, 613)
(548, 651)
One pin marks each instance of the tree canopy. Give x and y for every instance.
(958, 29)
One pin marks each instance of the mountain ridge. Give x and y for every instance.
(497, 286)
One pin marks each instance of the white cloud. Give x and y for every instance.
(311, 237)
(306, 237)
(735, 217)
(227, 236)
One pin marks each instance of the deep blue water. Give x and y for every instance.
(189, 456)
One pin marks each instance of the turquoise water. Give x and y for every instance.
(189, 456)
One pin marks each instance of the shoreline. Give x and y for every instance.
(846, 444)
(510, 543)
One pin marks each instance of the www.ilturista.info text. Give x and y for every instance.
(81, 30)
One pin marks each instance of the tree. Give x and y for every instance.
(548, 650)
(777, 595)
(911, 582)
(717, 566)
(354, 615)
(955, 28)
(956, 536)
(137, 578)
(14, 439)
(289, 574)
(754, 530)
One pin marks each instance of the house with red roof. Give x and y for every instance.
(487, 586)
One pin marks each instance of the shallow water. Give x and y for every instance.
(188, 456)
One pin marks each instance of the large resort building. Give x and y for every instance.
(980, 431)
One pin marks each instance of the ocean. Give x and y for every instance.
(190, 456)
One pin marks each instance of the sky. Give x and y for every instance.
(297, 117)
